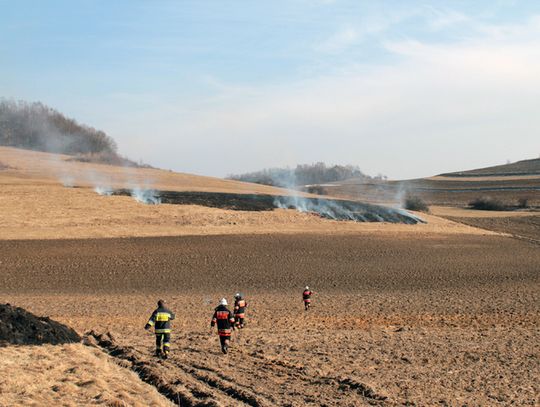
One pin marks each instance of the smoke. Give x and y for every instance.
(400, 195)
(38, 127)
(106, 191)
(67, 180)
(346, 210)
(146, 196)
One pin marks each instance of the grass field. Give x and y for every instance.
(443, 313)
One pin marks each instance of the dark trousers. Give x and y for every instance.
(239, 320)
(224, 343)
(163, 342)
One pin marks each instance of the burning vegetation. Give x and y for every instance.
(326, 208)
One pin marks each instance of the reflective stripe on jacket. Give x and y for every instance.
(224, 320)
(160, 320)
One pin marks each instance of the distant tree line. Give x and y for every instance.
(304, 174)
(35, 126)
(39, 127)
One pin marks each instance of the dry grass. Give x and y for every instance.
(415, 311)
(54, 212)
(69, 375)
(473, 213)
(485, 178)
(35, 206)
(38, 168)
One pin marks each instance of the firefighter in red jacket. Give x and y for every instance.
(306, 296)
(240, 306)
(160, 320)
(224, 319)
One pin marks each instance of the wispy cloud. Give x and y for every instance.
(339, 41)
(466, 97)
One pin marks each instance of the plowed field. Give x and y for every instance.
(442, 319)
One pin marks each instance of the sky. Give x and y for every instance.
(401, 88)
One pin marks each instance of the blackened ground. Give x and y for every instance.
(327, 208)
(20, 327)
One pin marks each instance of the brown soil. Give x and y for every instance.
(444, 190)
(520, 226)
(449, 320)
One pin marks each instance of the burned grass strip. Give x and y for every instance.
(326, 208)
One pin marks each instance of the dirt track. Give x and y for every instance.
(427, 320)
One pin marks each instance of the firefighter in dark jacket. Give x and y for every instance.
(224, 319)
(306, 296)
(160, 320)
(240, 306)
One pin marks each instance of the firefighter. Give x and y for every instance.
(240, 306)
(224, 319)
(306, 296)
(160, 320)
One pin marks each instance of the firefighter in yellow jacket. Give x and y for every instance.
(160, 320)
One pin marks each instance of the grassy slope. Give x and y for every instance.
(69, 375)
(508, 183)
(36, 206)
(524, 167)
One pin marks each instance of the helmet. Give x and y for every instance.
(237, 295)
(307, 287)
(223, 301)
(161, 303)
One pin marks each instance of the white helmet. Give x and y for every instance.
(237, 295)
(307, 288)
(223, 301)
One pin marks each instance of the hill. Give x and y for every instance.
(35, 126)
(519, 168)
(48, 196)
(510, 184)
(304, 175)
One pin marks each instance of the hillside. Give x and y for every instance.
(46, 196)
(35, 126)
(510, 183)
(519, 168)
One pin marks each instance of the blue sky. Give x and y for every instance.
(402, 88)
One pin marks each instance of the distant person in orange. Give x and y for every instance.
(224, 319)
(240, 306)
(160, 320)
(306, 297)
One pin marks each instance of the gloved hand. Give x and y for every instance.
(147, 327)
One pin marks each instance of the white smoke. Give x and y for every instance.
(67, 181)
(346, 210)
(101, 190)
(146, 196)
